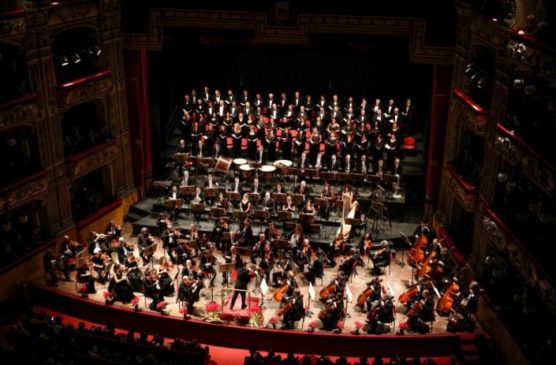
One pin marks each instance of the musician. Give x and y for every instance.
(348, 266)
(190, 270)
(268, 202)
(381, 258)
(199, 196)
(188, 292)
(245, 233)
(208, 262)
(289, 206)
(315, 268)
(296, 238)
(134, 274)
(376, 286)
(97, 240)
(259, 248)
(164, 279)
(84, 276)
(243, 278)
(421, 312)
(271, 233)
(299, 148)
(99, 265)
(144, 240)
(302, 189)
(252, 140)
(333, 311)
(122, 248)
(151, 289)
(185, 179)
(294, 310)
(119, 286)
(365, 244)
(113, 230)
(328, 195)
(278, 189)
(270, 145)
(286, 145)
(302, 257)
(245, 204)
(69, 248)
(221, 201)
(175, 195)
(331, 150)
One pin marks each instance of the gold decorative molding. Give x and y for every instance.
(92, 159)
(470, 114)
(26, 191)
(96, 88)
(531, 164)
(19, 114)
(72, 12)
(263, 32)
(466, 197)
(520, 258)
(12, 27)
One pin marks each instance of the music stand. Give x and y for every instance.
(180, 157)
(354, 222)
(244, 251)
(408, 242)
(281, 245)
(225, 269)
(174, 205)
(342, 176)
(217, 212)
(240, 215)
(327, 176)
(357, 178)
(297, 198)
(306, 218)
(255, 197)
(279, 197)
(261, 215)
(197, 210)
(294, 171)
(233, 196)
(211, 192)
(149, 252)
(284, 215)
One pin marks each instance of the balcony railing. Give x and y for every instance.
(465, 192)
(473, 115)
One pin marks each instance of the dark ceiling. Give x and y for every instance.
(440, 18)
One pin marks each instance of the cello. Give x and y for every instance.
(362, 298)
(446, 302)
(280, 292)
(417, 252)
(325, 292)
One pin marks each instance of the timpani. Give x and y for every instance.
(223, 164)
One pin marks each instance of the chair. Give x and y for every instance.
(409, 143)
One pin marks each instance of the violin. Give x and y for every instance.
(446, 302)
(325, 292)
(327, 310)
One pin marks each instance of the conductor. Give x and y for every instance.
(243, 279)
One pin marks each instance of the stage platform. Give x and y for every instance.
(238, 314)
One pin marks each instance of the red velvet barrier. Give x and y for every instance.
(518, 140)
(12, 13)
(431, 345)
(469, 188)
(21, 100)
(83, 80)
(467, 100)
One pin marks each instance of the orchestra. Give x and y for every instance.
(319, 138)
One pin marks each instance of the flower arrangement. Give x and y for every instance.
(255, 317)
(184, 311)
(402, 328)
(358, 326)
(272, 322)
(108, 298)
(312, 326)
(212, 309)
(340, 326)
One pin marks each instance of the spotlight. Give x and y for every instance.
(64, 61)
(475, 77)
(469, 69)
(502, 177)
(76, 57)
(481, 83)
(519, 83)
(96, 50)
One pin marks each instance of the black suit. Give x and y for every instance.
(242, 281)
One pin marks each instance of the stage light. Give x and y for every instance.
(519, 83)
(96, 50)
(76, 57)
(481, 83)
(469, 69)
(64, 61)
(502, 177)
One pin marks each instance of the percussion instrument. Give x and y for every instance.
(238, 162)
(283, 165)
(223, 164)
(246, 171)
(267, 172)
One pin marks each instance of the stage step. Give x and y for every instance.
(132, 217)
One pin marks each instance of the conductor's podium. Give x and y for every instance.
(236, 313)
